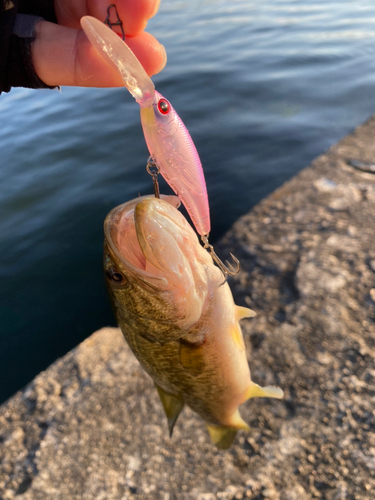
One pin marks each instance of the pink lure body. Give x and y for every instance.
(166, 136)
(171, 146)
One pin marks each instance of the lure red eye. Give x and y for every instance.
(164, 106)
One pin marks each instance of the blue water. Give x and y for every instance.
(263, 87)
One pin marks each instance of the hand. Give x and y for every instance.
(62, 55)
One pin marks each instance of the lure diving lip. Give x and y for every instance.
(167, 138)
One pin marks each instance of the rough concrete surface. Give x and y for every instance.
(92, 427)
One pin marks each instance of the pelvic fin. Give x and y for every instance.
(244, 312)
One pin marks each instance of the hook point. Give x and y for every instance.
(227, 269)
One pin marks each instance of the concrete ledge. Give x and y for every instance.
(91, 426)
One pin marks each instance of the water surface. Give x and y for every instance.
(263, 87)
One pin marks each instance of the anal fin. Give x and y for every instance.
(172, 406)
(256, 391)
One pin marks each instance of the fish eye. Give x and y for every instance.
(164, 106)
(115, 276)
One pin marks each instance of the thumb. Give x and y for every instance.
(64, 56)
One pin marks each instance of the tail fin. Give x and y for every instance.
(223, 435)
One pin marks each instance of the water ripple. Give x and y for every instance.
(263, 87)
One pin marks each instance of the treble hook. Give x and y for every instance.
(116, 23)
(154, 170)
(227, 268)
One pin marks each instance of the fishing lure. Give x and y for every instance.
(168, 140)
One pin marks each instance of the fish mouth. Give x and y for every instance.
(149, 241)
(122, 241)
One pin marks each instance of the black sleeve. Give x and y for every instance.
(7, 17)
(17, 22)
(42, 8)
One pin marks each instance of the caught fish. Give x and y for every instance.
(167, 138)
(176, 315)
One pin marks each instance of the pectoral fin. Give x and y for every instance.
(172, 406)
(237, 336)
(192, 358)
(255, 391)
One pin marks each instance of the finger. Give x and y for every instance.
(133, 13)
(64, 56)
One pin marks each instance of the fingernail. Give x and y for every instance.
(164, 60)
(156, 8)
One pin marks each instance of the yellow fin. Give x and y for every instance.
(221, 436)
(192, 358)
(237, 336)
(244, 312)
(237, 422)
(172, 406)
(256, 391)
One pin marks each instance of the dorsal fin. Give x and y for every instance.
(172, 406)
